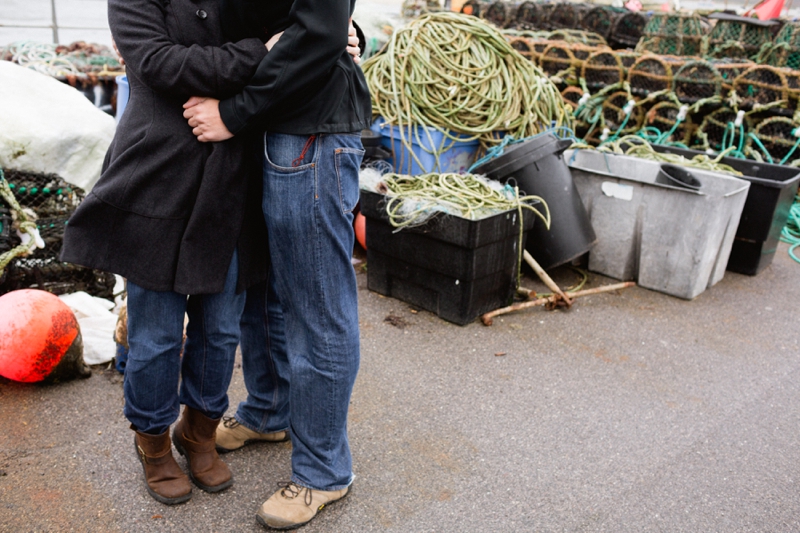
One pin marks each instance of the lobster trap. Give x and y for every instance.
(43, 269)
(676, 34)
(524, 46)
(627, 29)
(558, 61)
(577, 37)
(602, 68)
(761, 85)
(532, 16)
(566, 15)
(776, 135)
(502, 14)
(652, 73)
(614, 116)
(697, 80)
(738, 37)
(663, 117)
(600, 20)
(47, 195)
(572, 95)
(52, 201)
(784, 51)
(718, 130)
(628, 58)
(729, 70)
(474, 7)
(621, 28)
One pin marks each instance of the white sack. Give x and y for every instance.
(97, 324)
(48, 126)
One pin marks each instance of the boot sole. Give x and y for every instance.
(207, 488)
(156, 496)
(248, 442)
(263, 522)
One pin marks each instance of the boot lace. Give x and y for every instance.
(229, 422)
(291, 490)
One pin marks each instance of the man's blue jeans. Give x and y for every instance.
(265, 363)
(310, 191)
(155, 337)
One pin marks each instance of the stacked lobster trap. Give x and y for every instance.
(618, 27)
(48, 201)
(724, 83)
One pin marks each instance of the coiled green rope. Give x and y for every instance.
(459, 75)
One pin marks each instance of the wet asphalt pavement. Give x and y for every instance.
(632, 412)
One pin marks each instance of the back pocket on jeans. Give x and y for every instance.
(348, 163)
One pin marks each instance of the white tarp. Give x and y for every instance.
(97, 324)
(48, 126)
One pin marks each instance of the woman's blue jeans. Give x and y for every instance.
(310, 191)
(155, 365)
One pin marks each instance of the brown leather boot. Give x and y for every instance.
(164, 479)
(194, 437)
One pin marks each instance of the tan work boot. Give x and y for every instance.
(164, 479)
(194, 437)
(232, 435)
(293, 505)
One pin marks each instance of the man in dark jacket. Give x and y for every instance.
(312, 100)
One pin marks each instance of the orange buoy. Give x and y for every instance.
(40, 339)
(361, 230)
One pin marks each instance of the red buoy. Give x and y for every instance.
(39, 338)
(361, 230)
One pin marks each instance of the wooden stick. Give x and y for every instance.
(487, 319)
(545, 278)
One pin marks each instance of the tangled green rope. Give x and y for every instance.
(459, 75)
(635, 146)
(791, 231)
(25, 225)
(79, 59)
(413, 200)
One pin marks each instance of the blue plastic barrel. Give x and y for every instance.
(123, 93)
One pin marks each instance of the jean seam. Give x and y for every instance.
(270, 359)
(324, 319)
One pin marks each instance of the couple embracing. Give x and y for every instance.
(227, 195)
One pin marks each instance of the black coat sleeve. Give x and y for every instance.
(314, 41)
(140, 31)
(362, 39)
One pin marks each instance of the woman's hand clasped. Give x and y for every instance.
(203, 117)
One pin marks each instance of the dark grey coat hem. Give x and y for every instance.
(104, 237)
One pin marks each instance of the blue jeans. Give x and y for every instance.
(265, 363)
(310, 191)
(155, 337)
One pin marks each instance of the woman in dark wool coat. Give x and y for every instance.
(181, 220)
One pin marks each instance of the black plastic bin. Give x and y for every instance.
(538, 168)
(451, 266)
(765, 213)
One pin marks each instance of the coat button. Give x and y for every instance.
(201, 13)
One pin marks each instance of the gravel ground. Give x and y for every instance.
(634, 411)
